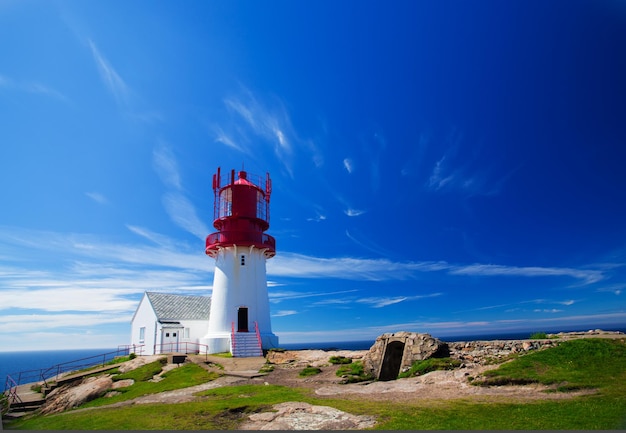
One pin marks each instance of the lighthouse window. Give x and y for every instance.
(243, 260)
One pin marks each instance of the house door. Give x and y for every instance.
(242, 319)
(169, 339)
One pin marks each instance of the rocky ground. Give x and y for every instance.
(437, 385)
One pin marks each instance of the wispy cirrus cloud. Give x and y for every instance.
(586, 276)
(283, 313)
(379, 302)
(348, 164)
(462, 169)
(262, 122)
(290, 264)
(97, 197)
(278, 296)
(180, 209)
(112, 80)
(354, 212)
(32, 87)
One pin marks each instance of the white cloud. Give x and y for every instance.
(319, 217)
(587, 276)
(378, 302)
(348, 165)
(277, 296)
(183, 213)
(222, 137)
(166, 166)
(354, 212)
(264, 123)
(283, 313)
(111, 78)
(27, 323)
(176, 204)
(31, 87)
(97, 197)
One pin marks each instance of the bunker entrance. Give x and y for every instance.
(392, 361)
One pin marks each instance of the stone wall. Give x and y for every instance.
(479, 352)
(396, 352)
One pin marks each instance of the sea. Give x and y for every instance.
(29, 364)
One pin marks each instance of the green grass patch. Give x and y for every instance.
(428, 365)
(143, 373)
(575, 364)
(309, 371)
(538, 336)
(181, 377)
(353, 372)
(340, 360)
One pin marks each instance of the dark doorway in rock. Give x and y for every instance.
(392, 361)
(242, 319)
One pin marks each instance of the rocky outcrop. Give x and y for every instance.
(304, 416)
(392, 353)
(73, 395)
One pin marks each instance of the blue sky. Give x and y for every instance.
(450, 167)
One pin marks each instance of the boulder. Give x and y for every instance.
(73, 395)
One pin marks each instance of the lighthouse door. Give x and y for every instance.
(242, 319)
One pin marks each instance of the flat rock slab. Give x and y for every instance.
(304, 416)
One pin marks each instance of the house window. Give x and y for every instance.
(243, 260)
(186, 333)
(142, 334)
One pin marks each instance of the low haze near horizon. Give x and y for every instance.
(450, 167)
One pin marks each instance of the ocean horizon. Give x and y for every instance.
(12, 363)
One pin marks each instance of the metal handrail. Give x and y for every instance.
(45, 374)
(258, 335)
(181, 347)
(233, 338)
(10, 385)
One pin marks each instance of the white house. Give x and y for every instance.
(166, 322)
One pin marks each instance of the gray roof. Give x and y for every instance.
(179, 307)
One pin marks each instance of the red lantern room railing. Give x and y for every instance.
(241, 211)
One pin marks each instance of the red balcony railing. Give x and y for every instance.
(241, 238)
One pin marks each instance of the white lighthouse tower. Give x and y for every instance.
(239, 320)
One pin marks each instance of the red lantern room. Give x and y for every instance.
(241, 213)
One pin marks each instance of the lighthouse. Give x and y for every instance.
(239, 319)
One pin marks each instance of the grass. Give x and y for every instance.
(181, 377)
(596, 363)
(143, 373)
(428, 365)
(340, 360)
(575, 364)
(309, 371)
(353, 372)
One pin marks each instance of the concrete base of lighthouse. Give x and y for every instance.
(216, 343)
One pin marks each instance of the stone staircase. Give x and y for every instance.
(245, 344)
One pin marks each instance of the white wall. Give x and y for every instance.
(144, 317)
